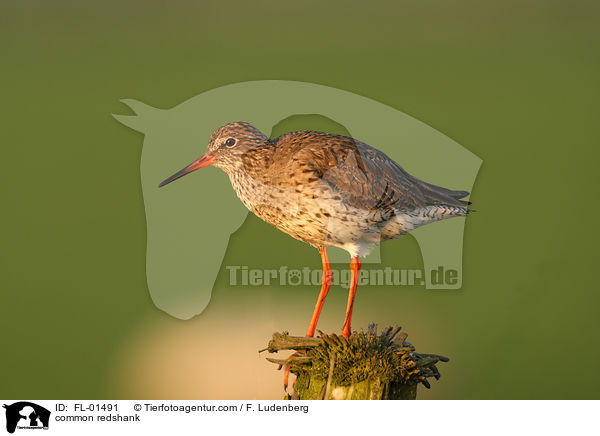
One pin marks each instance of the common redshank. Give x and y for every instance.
(326, 190)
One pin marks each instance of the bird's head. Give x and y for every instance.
(226, 148)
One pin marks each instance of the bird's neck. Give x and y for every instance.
(251, 177)
(257, 160)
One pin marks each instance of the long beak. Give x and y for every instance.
(196, 165)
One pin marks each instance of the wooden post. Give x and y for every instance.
(367, 366)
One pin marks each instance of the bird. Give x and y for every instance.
(326, 190)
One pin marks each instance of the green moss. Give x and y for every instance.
(365, 366)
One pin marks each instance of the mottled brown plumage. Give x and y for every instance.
(326, 190)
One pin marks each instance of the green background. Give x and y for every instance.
(515, 82)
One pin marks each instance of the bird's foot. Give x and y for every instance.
(346, 330)
(286, 372)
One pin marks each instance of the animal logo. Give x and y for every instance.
(26, 415)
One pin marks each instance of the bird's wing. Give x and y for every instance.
(365, 177)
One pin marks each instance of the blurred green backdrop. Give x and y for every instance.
(515, 82)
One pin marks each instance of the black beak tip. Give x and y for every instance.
(165, 182)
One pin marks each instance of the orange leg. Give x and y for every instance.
(286, 374)
(327, 277)
(355, 271)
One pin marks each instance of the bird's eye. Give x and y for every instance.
(230, 142)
